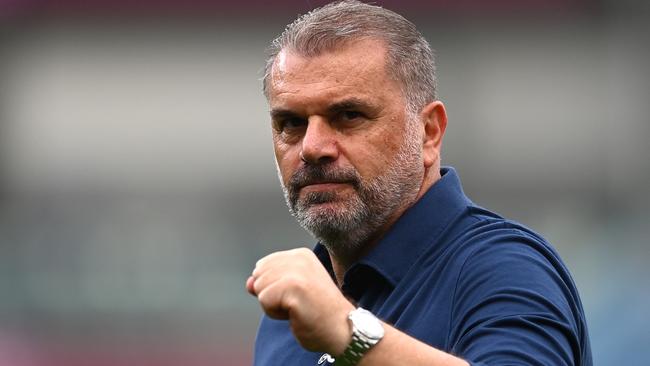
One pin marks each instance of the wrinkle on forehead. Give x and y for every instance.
(279, 66)
(279, 70)
(363, 65)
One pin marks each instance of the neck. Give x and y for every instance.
(341, 262)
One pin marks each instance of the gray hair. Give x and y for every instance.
(410, 58)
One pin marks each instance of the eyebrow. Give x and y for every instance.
(347, 104)
(341, 106)
(283, 113)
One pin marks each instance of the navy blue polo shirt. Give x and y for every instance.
(463, 280)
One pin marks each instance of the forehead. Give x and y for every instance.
(356, 68)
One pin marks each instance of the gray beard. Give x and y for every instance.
(347, 224)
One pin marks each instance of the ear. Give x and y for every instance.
(434, 118)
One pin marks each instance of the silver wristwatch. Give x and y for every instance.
(367, 331)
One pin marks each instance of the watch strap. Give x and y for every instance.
(353, 353)
(361, 341)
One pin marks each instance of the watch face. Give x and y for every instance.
(368, 324)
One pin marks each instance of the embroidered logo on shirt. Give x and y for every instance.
(325, 357)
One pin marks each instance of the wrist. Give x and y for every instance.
(367, 330)
(343, 332)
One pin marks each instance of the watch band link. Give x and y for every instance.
(357, 348)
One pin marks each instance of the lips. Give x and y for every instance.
(324, 185)
(320, 181)
(324, 181)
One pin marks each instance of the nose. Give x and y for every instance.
(319, 144)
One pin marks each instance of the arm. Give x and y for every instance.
(293, 285)
(398, 348)
(515, 303)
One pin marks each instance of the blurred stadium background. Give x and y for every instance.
(138, 188)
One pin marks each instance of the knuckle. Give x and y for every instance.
(294, 281)
(304, 251)
(264, 299)
(257, 286)
(290, 302)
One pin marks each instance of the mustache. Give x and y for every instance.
(315, 174)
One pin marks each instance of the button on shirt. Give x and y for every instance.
(463, 280)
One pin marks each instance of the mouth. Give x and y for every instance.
(324, 186)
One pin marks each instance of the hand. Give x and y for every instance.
(294, 285)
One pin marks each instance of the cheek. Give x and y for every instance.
(371, 160)
(287, 161)
(379, 152)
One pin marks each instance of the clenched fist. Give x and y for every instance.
(294, 285)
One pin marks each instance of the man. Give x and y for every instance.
(357, 131)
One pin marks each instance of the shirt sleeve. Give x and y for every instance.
(515, 304)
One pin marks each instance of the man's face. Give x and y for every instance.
(349, 160)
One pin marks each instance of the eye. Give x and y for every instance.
(351, 115)
(294, 123)
(289, 124)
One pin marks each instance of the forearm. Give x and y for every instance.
(398, 348)
(291, 285)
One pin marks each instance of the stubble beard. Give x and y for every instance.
(346, 223)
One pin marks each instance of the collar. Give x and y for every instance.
(417, 229)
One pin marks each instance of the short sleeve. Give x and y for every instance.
(514, 304)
